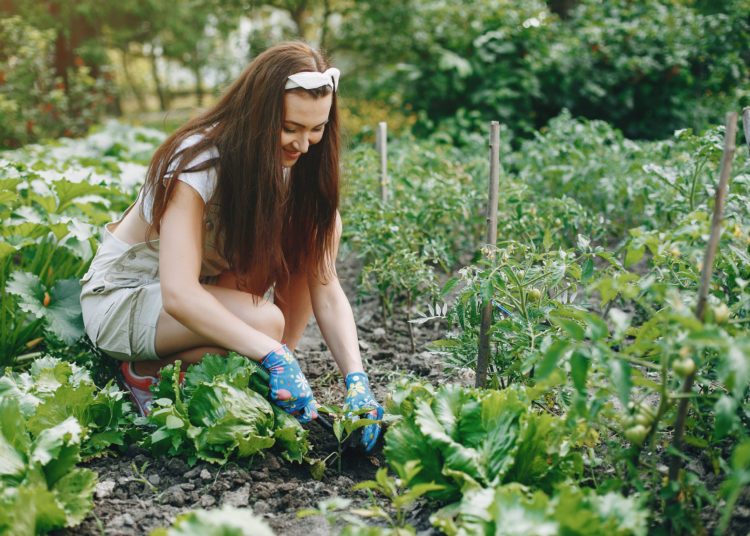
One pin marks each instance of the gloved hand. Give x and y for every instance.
(289, 388)
(358, 395)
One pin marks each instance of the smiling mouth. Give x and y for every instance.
(292, 155)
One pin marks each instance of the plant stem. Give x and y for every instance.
(708, 262)
(408, 322)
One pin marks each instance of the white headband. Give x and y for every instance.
(314, 79)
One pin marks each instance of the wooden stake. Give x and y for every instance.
(491, 240)
(381, 146)
(746, 125)
(730, 136)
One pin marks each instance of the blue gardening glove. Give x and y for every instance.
(289, 388)
(358, 395)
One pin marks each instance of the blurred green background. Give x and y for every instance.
(648, 67)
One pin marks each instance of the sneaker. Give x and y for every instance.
(139, 387)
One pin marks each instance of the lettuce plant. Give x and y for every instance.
(40, 487)
(224, 521)
(221, 410)
(54, 390)
(513, 509)
(468, 438)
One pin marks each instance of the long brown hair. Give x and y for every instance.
(268, 230)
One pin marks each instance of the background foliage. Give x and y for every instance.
(647, 67)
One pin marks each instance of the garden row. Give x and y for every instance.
(594, 281)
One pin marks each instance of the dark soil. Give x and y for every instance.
(137, 493)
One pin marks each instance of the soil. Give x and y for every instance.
(137, 493)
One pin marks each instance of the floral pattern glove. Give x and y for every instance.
(358, 395)
(289, 388)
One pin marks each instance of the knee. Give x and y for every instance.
(269, 319)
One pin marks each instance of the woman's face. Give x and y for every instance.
(305, 119)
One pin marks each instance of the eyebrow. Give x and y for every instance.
(305, 126)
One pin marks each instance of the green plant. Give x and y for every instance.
(398, 492)
(224, 521)
(345, 424)
(220, 411)
(36, 102)
(569, 509)
(53, 390)
(51, 211)
(466, 437)
(40, 487)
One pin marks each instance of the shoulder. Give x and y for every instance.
(210, 153)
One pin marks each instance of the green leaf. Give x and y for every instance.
(552, 358)
(63, 314)
(6, 250)
(75, 491)
(620, 373)
(579, 367)
(14, 440)
(224, 521)
(30, 291)
(67, 191)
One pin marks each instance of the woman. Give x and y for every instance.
(238, 200)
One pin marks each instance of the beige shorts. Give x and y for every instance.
(121, 299)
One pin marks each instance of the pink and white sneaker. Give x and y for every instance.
(139, 387)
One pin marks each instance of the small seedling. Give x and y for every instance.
(141, 476)
(397, 490)
(332, 509)
(345, 424)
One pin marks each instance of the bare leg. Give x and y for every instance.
(176, 342)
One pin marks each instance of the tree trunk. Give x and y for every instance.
(199, 93)
(129, 79)
(160, 89)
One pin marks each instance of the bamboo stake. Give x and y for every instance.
(730, 135)
(381, 146)
(746, 125)
(491, 239)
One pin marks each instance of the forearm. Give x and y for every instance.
(335, 319)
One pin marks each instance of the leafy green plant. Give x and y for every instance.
(224, 521)
(40, 487)
(467, 438)
(345, 425)
(569, 509)
(526, 287)
(35, 101)
(54, 390)
(54, 200)
(399, 494)
(220, 411)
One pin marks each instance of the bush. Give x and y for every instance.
(35, 102)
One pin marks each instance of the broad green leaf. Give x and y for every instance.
(75, 491)
(6, 250)
(57, 449)
(34, 510)
(14, 441)
(67, 191)
(579, 367)
(63, 314)
(552, 358)
(224, 521)
(30, 291)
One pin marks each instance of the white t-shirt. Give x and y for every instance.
(203, 182)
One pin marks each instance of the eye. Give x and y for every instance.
(288, 130)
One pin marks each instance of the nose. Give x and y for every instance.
(302, 144)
